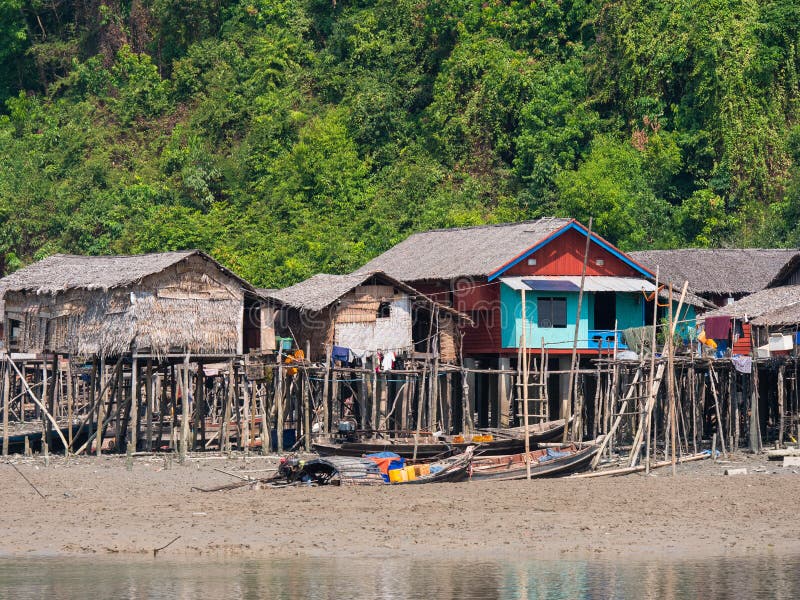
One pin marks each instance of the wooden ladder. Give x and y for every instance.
(538, 400)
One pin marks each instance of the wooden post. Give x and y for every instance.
(133, 422)
(716, 408)
(49, 396)
(224, 439)
(36, 400)
(374, 391)
(326, 406)
(279, 397)
(119, 397)
(307, 412)
(6, 406)
(70, 402)
(244, 432)
(200, 405)
(265, 415)
(148, 393)
(781, 400)
(567, 403)
(649, 417)
(420, 409)
(186, 414)
(164, 407)
(673, 421)
(524, 354)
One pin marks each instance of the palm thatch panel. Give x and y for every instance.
(191, 305)
(760, 304)
(723, 272)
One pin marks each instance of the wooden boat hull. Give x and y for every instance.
(352, 470)
(425, 451)
(540, 433)
(501, 468)
(506, 441)
(16, 442)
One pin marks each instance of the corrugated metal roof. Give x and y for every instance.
(592, 283)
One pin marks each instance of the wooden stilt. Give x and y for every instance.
(781, 400)
(279, 402)
(224, 440)
(326, 405)
(70, 402)
(133, 419)
(200, 406)
(567, 402)
(6, 406)
(148, 416)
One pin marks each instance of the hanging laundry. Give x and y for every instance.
(387, 362)
(340, 353)
(743, 364)
(718, 328)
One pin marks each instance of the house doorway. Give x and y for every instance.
(605, 310)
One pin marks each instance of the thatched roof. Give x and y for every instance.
(760, 303)
(61, 272)
(461, 252)
(320, 291)
(787, 316)
(723, 271)
(786, 271)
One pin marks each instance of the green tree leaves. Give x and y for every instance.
(288, 137)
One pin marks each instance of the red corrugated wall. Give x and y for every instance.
(564, 256)
(742, 345)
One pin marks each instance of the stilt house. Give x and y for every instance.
(767, 321)
(484, 272)
(366, 313)
(171, 303)
(721, 276)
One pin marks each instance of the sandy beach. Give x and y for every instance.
(101, 506)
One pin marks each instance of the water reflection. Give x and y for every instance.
(758, 577)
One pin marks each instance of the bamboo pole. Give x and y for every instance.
(70, 403)
(6, 406)
(524, 350)
(133, 423)
(711, 377)
(224, 440)
(648, 417)
(326, 405)
(781, 400)
(38, 402)
(148, 393)
(279, 392)
(608, 437)
(567, 403)
(673, 422)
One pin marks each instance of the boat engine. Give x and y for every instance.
(346, 430)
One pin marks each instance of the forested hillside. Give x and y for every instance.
(288, 137)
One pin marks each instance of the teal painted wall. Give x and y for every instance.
(554, 337)
(630, 313)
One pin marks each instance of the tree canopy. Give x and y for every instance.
(289, 137)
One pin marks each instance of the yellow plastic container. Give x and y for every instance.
(397, 476)
(411, 475)
(422, 470)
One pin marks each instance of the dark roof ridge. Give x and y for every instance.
(489, 225)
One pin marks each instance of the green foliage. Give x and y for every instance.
(288, 137)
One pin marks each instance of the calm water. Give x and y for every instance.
(761, 577)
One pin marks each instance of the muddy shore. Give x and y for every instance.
(105, 506)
